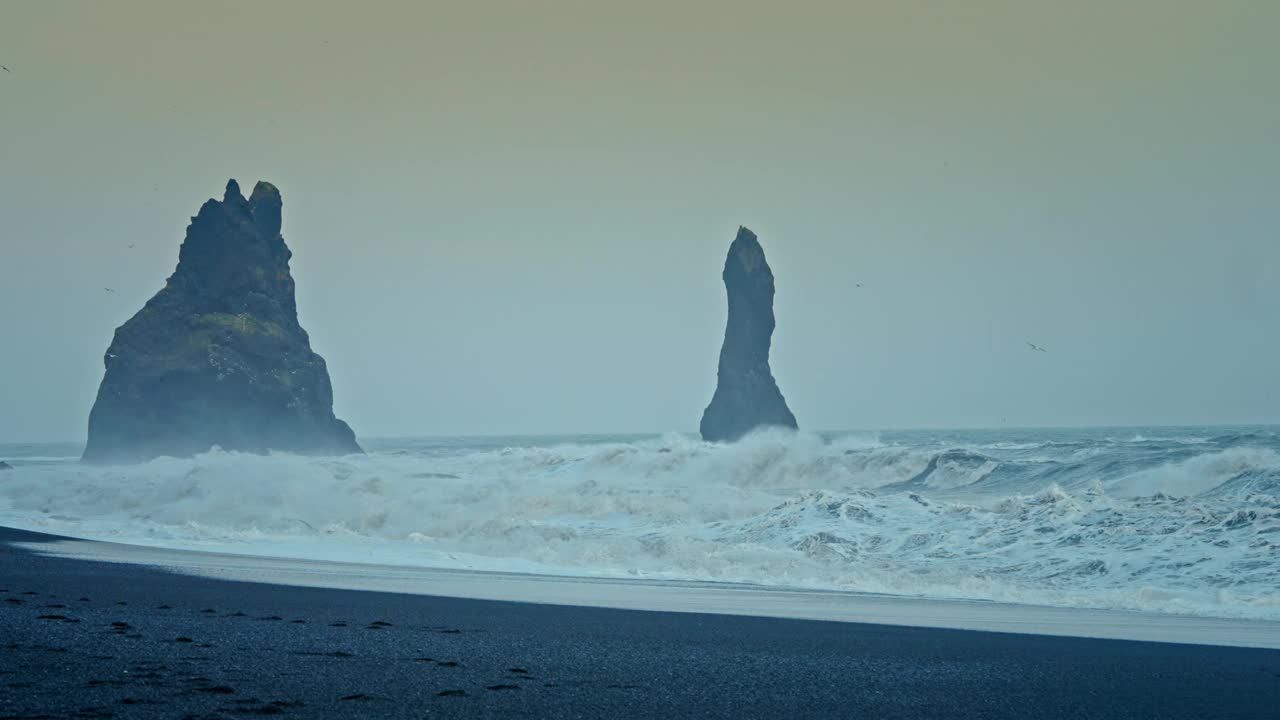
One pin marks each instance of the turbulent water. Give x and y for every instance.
(1177, 520)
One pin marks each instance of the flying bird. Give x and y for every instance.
(1036, 347)
(109, 290)
(5, 69)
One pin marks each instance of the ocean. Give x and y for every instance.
(1163, 520)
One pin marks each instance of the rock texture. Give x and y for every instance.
(746, 395)
(217, 357)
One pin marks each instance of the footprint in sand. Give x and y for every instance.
(254, 706)
(316, 653)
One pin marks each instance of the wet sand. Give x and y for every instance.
(82, 638)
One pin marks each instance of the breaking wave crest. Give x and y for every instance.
(1184, 524)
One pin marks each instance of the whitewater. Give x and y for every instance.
(1160, 520)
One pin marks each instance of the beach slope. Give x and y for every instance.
(106, 639)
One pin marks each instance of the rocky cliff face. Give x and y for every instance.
(746, 395)
(217, 357)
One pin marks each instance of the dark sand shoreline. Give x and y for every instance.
(91, 639)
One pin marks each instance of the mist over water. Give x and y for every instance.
(1181, 520)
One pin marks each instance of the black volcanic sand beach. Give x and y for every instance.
(85, 639)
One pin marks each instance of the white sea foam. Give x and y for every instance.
(1200, 473)
(998, 520)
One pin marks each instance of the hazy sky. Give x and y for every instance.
(512, 216)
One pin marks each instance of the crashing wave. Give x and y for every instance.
(1090, 521)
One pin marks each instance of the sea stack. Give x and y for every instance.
(746, 395)
(217, 357)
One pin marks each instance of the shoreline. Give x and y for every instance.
(106, 639)
(681, 596)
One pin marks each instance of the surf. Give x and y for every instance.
(1180, 521)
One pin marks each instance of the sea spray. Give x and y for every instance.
(1183, 521)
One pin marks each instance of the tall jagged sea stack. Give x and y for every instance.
(217, 357)
(746, 397)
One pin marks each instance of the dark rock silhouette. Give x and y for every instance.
(746, 395)
(217, 357)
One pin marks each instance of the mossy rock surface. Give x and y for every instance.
(217, 357)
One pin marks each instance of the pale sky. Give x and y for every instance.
(511, 217)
